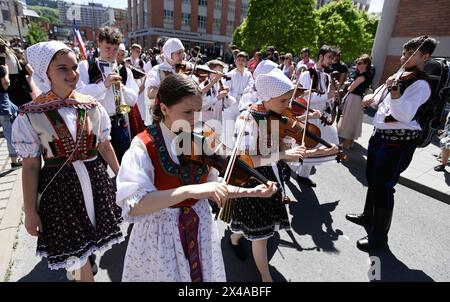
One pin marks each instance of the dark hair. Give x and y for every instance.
(171, 91)
(324, 50)
(242, 54)
(161, 41)
(111, 35)
(305, 50)
(336, 51)
(215, 63)
(429, 44)
(2, 71)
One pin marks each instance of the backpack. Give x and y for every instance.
(430, 114)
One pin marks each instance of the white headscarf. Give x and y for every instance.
(172, 45)
(39, 57)
(272, 85)
(264, 67)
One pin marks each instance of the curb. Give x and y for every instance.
(429, 191)
(9, 226)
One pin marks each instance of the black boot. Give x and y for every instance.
(360, 219)
(93, 264)
(364, 219)
(378, 234)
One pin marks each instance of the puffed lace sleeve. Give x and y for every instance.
(250, 135)
(105, 124)
(135, 179)
(24, 138)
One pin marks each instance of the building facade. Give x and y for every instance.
(91, 17)
(402, 20)
(14, 18)
(208, 23)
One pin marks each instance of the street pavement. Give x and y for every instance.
(321, 244)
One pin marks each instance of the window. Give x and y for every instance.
(231, 6)
(202, 2)
(186, 1)
(6, 16)
(185, 19)
(218, 4)
(168, 15)
(216, 24)
(201, 21)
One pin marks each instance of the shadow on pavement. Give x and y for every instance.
(309, 217)
(112, 260)
(41, 273)
(356, 163)
(392, 269)
(245, 271)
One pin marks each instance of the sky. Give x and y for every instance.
(375, 5)
(111, 3)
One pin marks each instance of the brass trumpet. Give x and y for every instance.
(121, 106)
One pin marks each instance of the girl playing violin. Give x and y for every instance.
(174, 237)
(255, 219)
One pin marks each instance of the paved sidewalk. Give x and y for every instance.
(10, 207)
(420, 175)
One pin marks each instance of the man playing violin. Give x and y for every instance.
(319, 100)
(393, 141)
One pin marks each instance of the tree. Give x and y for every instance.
(47, 14)
(289, 25)
(35, 34)
(344, 26)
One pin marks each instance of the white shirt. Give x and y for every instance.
(240, 83)
(402, 109)
(102, 94)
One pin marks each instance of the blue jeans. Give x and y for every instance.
(5, 120)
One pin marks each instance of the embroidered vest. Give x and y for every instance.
(56, 140)
(168, 174)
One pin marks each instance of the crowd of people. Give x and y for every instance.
(139, 113)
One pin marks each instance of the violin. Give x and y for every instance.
(290, 126)
(199, 71)
(404, 78)
(243, 170)
(299, 106)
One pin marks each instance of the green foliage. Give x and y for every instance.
(35, 34)
(290, 25)
(47, 14)
(341, 24)
(286, 24)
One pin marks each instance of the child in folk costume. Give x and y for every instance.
(76, 214)
(173, 51)
(115, 89)
(241, 82)
(319, 102)
(174, 237)
(136, 64)
(217, 97)
(254, 218)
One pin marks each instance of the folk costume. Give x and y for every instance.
(258, 218)
(76, 205)
(179, 243)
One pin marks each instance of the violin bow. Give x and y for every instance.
(401, 69)
(307, 110)
(225, 212)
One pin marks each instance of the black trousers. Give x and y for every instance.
(120, 137)
(386, 160)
